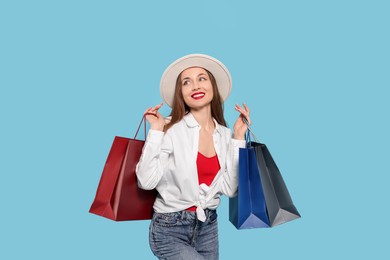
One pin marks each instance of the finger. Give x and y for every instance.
(242, 111)
(153, 109)
(248, 120)
(150, 114)
(158, 106)
(158, 115)
(147, 110)
(244, 114)
(246, 108)
(238, 108)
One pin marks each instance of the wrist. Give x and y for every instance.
(157, 128)
(239, 137)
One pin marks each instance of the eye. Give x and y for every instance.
(202, 79)
(186, 82)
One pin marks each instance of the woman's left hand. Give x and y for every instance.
(240, 127)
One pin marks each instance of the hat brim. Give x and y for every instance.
(214, 66)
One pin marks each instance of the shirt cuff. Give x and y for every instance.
(239, 143)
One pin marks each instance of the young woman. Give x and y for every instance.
(191, 158)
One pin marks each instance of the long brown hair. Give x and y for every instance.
(180, 108)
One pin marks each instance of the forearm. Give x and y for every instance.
(230, 177)
(149, 169)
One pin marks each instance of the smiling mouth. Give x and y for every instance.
(198, 95)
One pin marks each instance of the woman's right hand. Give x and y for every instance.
(155, 119)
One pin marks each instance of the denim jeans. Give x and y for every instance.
(180, 235)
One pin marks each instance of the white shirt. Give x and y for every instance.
(168, 163)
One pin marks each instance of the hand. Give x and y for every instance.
(155, 119)
(240, 127)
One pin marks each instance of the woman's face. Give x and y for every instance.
(196, 87)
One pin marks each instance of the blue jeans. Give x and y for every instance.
(180, 235)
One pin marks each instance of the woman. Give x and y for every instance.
(190, 159)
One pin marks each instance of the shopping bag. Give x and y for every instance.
(118, 196)
(280, 206)
(248, 209)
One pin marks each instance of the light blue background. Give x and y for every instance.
(73, 74)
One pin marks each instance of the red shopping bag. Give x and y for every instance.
(118, 196)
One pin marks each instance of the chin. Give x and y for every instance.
(199, 106)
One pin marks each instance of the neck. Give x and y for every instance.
(204, 118)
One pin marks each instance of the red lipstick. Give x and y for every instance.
(198, 95)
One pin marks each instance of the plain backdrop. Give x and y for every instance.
(74, 74)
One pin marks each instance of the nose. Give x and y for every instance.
(195, 86)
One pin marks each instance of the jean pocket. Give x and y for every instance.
(165, 220)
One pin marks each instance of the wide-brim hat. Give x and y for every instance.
(214, 66)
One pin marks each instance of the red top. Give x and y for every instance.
(208, 168)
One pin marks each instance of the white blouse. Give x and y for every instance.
(168, 163)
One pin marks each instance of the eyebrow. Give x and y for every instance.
(200, 74)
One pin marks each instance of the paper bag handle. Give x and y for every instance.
(249, 132)
(139, 126)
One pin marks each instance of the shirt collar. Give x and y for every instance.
(191, 122)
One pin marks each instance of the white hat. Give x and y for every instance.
(219, 71)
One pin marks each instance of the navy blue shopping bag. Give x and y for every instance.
(248, 208)
(280, 207)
